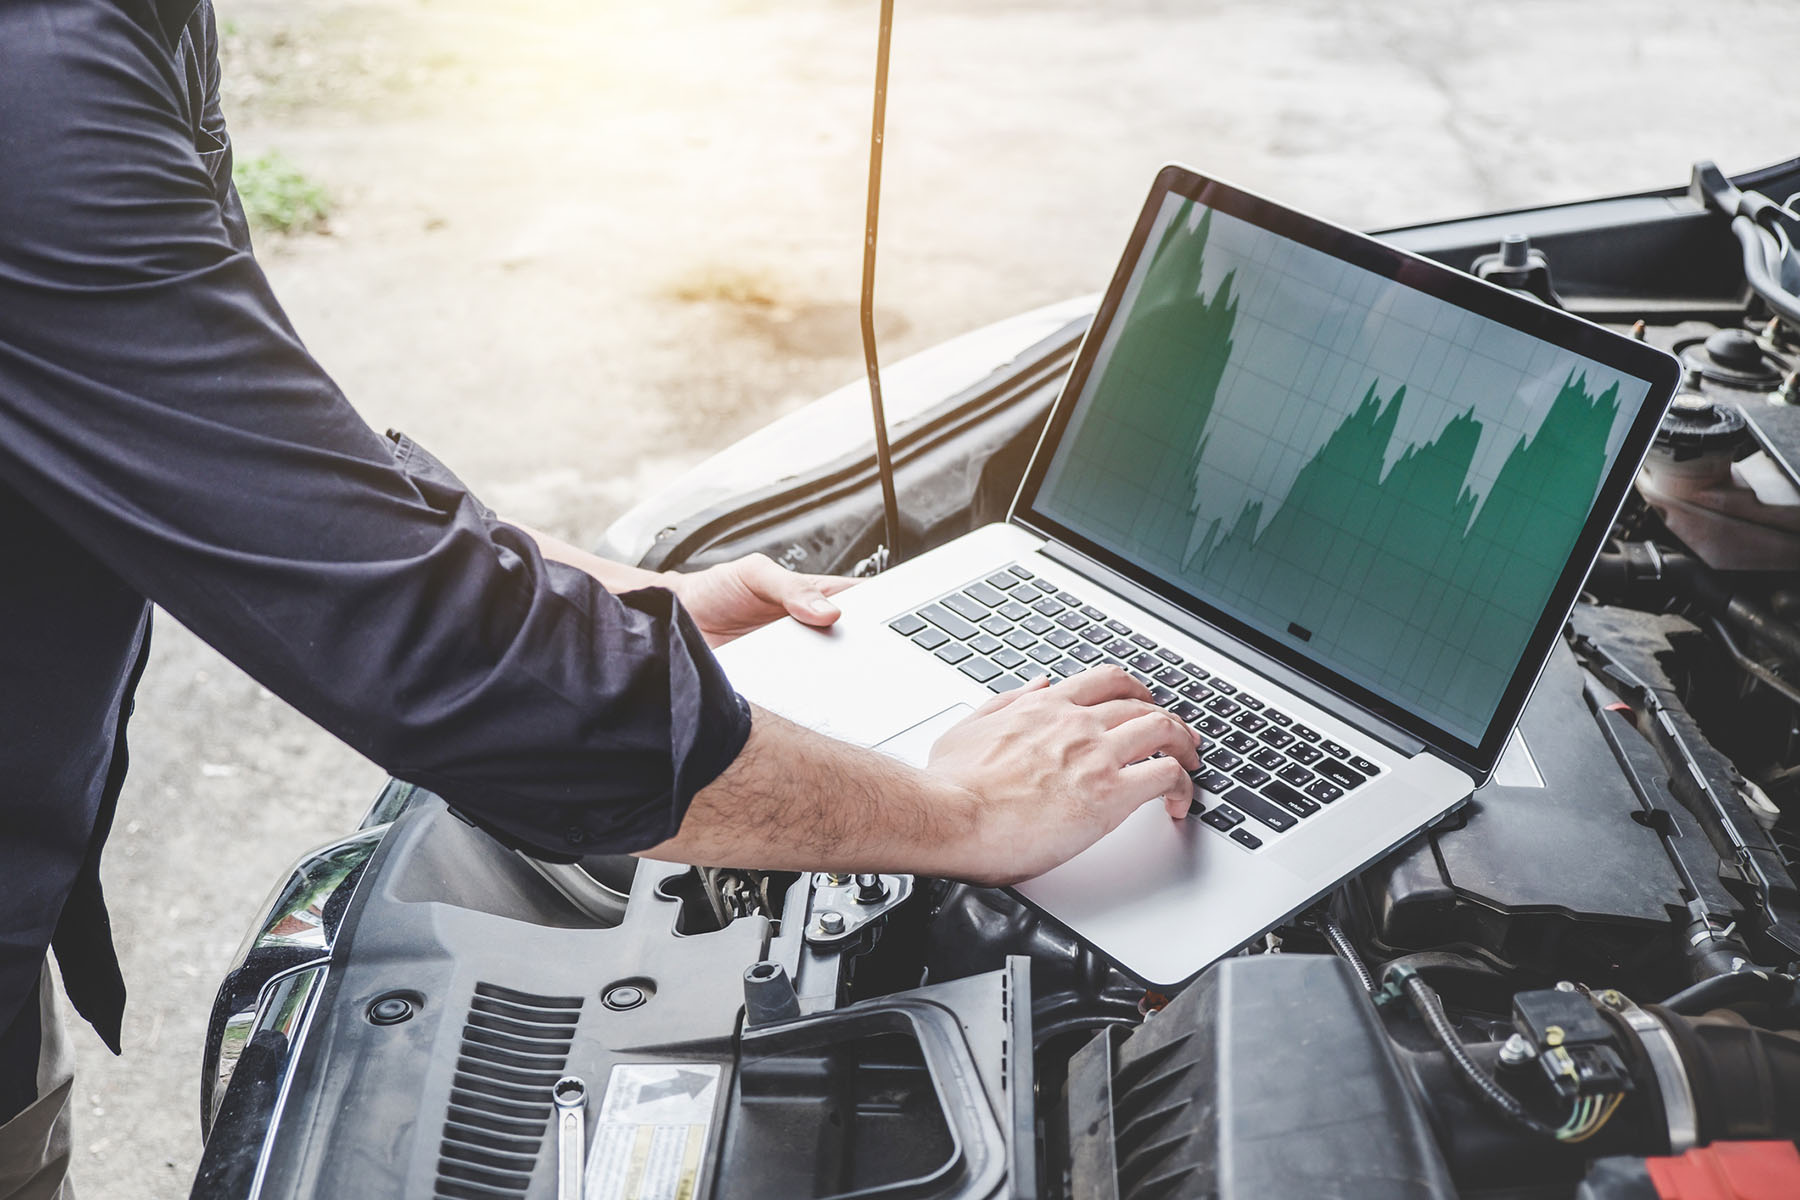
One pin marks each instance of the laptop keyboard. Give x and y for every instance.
(1262, 772)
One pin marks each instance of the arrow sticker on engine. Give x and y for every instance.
(650, 1140)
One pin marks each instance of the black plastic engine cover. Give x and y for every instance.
(1268, 1077)
(1549, 861)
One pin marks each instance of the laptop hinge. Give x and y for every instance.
(1255, 660)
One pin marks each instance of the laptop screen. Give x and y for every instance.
(1372, 476)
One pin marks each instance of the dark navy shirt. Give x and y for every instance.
(166, 438)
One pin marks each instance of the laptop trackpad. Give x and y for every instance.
(913, 746)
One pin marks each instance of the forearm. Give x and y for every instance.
(614, 577)
(798, 800)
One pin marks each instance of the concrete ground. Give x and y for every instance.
(574, 247)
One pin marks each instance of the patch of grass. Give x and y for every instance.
(278, 197)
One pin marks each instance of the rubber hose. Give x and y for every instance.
(1733, 988)
(1431, 1010)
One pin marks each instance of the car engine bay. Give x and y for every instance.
(1581, 983)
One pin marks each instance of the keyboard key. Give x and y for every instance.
(997, 625)
(1049, 606)
(992, 597)
(1062, 639)
(1249, 722)
(1093, 614)
(1251, 776)
(1335, 749)
(980, 669)
(1003, 580)
(1289, 799)
(1031, 670)
(1199, 693)
(909, 624)
(984, 644)
(1162, 697)
(1222, 706)
(1172, 677)
(1021, 572)
(1120, 628)
(1071, 620)
(1187, 710)
(1169, 656)
(1342, 774)
(1217, 782)
(948, 621)
(1222, 686)
(1210, 725)
(1270, 814)
(1303, 753)
(1120, 649)
(1238, 740)
(1084, 651)
(1097, 634)
(1244, 837)
(1268, 760)
(1038, 624)
(1223, 759)
(1138, 639)
(1222, 819)
(1364, 765)
(954, 652)
(1012, 610)
(1277, 717)
(1007, 657)
(1066, 667)
(1070, 599)
(1295, 774)
(1323, 792)
(930, 638)
(1250, 702)
(1141, 678)
(966, 606)
(1305, 733)
(1018, 639)
(1005, 683)
(1146, 662)
(1196, 672)
(1281, 739)
(1042, 588)
(1044, 654)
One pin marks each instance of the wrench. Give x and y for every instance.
(570, 1094)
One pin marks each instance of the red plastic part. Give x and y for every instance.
(1729, 1171)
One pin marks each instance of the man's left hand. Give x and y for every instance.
(731, 599)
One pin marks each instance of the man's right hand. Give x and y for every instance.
(1052, 768)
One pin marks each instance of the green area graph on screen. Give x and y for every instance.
(1398, 560)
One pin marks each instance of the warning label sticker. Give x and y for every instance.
(650, 1139)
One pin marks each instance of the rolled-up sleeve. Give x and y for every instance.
(157, 405)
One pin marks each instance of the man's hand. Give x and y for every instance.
(731, 599)
(726, 601)
(1028, 781)
(1055, 767)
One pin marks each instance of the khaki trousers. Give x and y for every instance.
(35, 1145)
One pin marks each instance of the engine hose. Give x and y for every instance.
(1340, 942)
(1753, 983)
(1431, 1010)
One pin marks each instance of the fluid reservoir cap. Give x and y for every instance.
(1736, 349)
(1694, 423)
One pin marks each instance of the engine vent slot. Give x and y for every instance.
(514, 1048)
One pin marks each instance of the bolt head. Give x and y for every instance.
(831, 922)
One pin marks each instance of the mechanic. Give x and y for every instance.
(166, 438)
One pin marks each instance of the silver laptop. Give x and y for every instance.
(1330, 501)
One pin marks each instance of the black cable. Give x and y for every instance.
(1431, 1010)
(1340, 941)
(884, 464)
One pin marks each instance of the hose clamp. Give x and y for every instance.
(1659, 1046)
